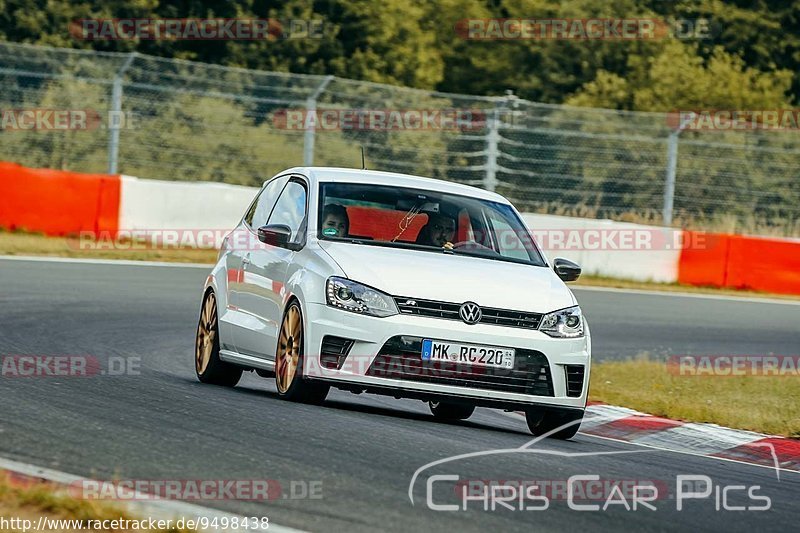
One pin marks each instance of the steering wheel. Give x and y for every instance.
(473, 246)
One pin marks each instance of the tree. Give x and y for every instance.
(679, 78)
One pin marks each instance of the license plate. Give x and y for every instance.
(471, 354)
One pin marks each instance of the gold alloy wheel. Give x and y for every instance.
(206, 334)
(289, 345)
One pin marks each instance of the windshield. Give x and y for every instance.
(382, 215)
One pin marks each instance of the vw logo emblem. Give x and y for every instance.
(470, 312)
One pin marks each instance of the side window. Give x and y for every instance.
(259, 211)
(290, 209)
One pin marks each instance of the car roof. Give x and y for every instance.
(376, 177)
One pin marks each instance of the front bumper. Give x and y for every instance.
(370, 334)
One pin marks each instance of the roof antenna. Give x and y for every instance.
(363, 161)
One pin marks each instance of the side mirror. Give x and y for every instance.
(275, 235)
(566, 269)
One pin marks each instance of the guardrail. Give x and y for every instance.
(58, 202)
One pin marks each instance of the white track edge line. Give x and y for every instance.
(699, 295)
(127, 262)
(158, 509)
(118, 262)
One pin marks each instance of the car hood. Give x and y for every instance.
(452, 278)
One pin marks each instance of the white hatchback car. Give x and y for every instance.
(394, 284)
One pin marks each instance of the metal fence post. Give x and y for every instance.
(672, 165)
(311, 108)
(669, 185)
(492, 141)
(115, 110)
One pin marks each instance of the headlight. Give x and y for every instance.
(357, 298)
(565, 323)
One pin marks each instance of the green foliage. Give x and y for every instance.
(414, 43)
(679, 78)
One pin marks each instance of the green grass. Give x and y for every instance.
(20, 243)
(767, 404)
(32, 500)
(36, 244)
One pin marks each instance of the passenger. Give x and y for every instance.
(335, 222)
(439, 231)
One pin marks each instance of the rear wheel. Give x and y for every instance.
(451, 411)
(541, 422)
(207, 364)
(289, 362)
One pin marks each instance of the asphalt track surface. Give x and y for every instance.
(162, 424)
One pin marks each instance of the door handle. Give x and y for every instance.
(245, 261)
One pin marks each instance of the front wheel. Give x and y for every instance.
(289, 362)
(541, 422)
(451, 411)
(207, 364)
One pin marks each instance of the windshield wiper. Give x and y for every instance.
(492, 255)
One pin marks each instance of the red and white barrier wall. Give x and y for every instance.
(611, 249)
(180, 205)
(59, 202)
(742, 262)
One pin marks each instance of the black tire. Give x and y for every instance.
(207, 364)
(541, 422)
(451, 411)
(289, 355)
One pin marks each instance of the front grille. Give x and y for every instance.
(489, 315)
(401, 358)
(334, 351)
(574, 380)
(512, 319)
(431, 308)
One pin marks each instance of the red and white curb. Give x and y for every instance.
(141, 506)
(708, 440)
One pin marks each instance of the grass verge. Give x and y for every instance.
(598, 281)
(765, 404)
(18, 243)
(30, 501)
(35, 244)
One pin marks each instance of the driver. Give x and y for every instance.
(335, 222)
(439, 231)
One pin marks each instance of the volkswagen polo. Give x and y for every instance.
(398, 285)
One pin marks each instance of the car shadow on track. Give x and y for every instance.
(409, 415)
(356, 407)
